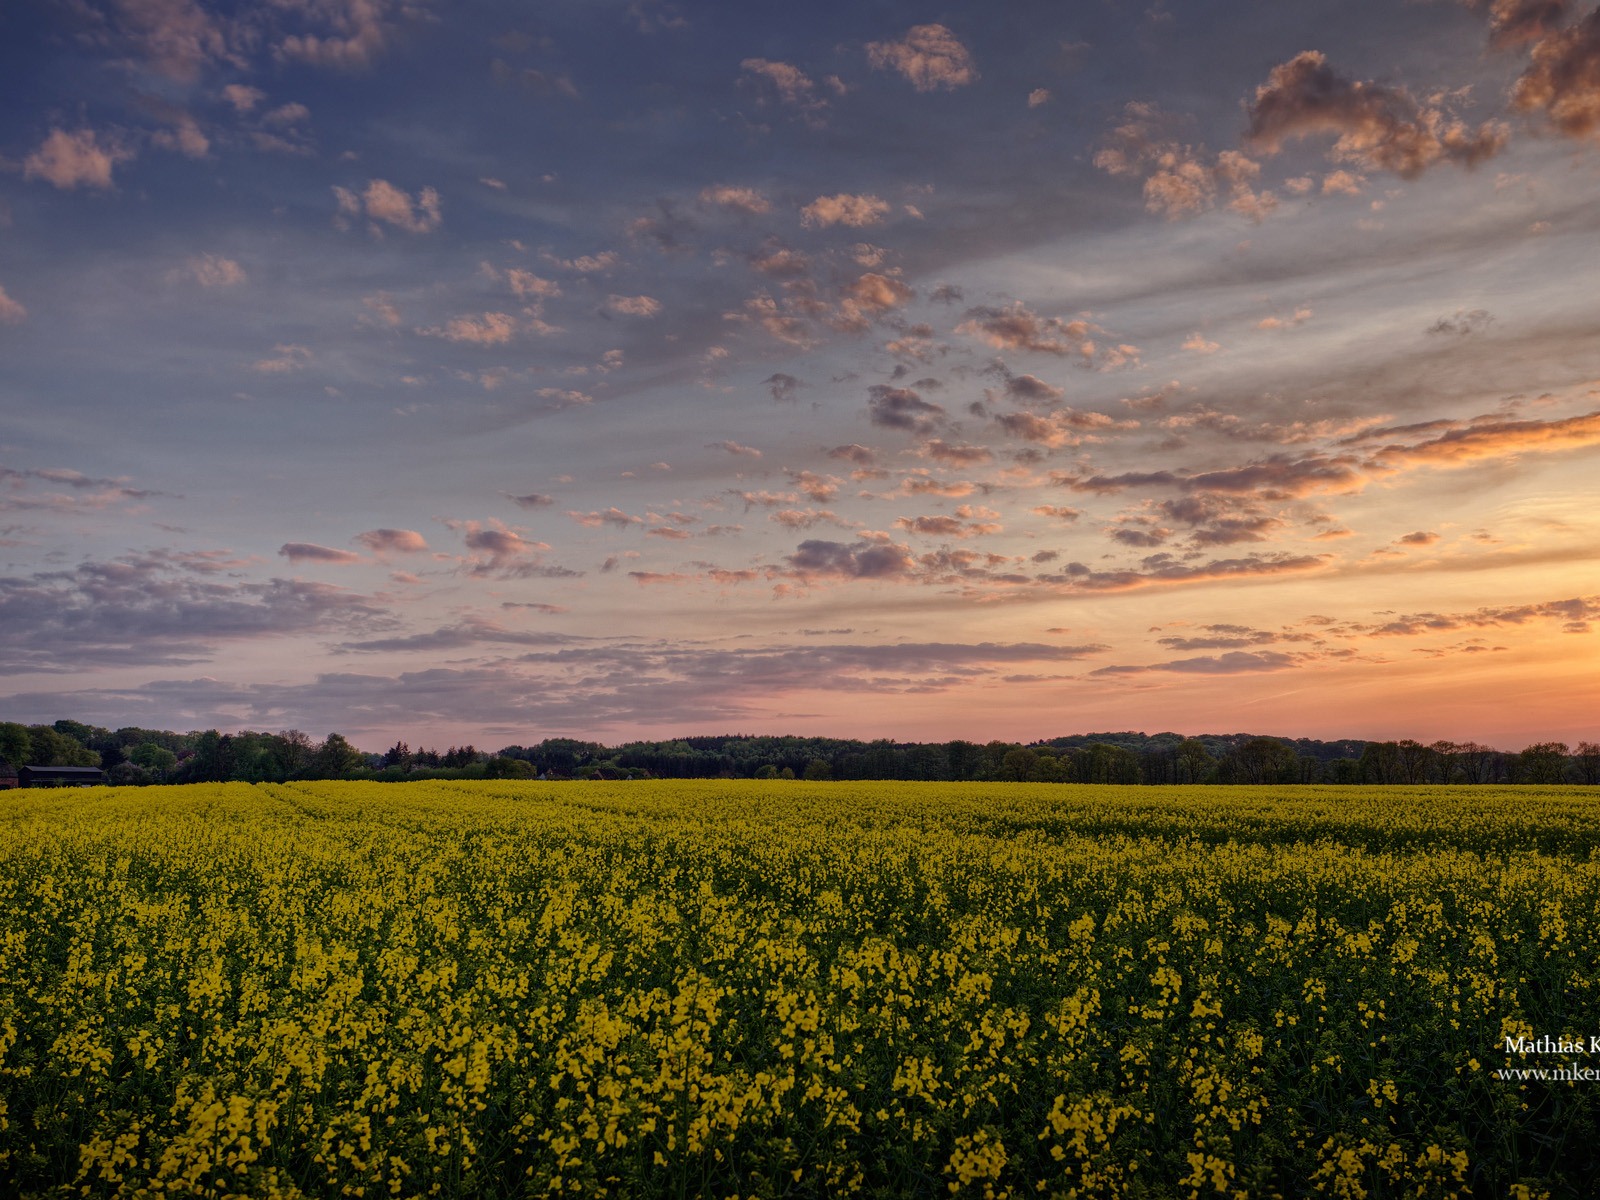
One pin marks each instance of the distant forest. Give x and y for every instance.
(149, 756)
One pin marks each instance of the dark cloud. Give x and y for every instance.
(578, 689)
(159, 609)
(784, 388)
(902, 408)
(1462, 323)
(861, 560)
(532, 500)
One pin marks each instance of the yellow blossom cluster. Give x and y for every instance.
(748, 989)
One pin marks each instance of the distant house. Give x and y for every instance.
(8, 775)
(60, 777)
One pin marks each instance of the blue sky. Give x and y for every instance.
(641, 369)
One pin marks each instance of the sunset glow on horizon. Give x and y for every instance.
(640, 369)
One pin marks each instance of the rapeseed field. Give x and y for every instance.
(796, 989)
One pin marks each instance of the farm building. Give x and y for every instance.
(60, 777)
(8, 775)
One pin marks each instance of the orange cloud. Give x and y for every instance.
(929, 56)
(1375, 126)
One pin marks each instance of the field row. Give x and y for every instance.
(734, 989)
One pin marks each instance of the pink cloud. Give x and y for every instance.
(930, 57)
(844, 209)
(70, 160)
(382, 201)
(736, 199)
(297, 552)
(399, 541)
(11, 312)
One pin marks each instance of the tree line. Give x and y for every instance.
(133, 756)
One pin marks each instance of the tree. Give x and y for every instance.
(1192, 761)
(1259, 760)
(398, 755)
(818, 769)
(15, 744)
(1588, 762)
(1542, 762)
(52, 748)
(157, 760)
(1413, 761)
(501, 767)
(1477, 763)
(336, 758)
(1019, 765)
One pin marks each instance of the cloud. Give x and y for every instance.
(860, 560)
(1037, 97)
(1515, 22)
(784, 388)
(1179, 179)
(1491, 438)
(733, 447)
(874, 293)
(1029, 389)
(1463, 323)
(792, 86)
(1198, 343)
(71, 160)
(284, 359)
(1562, 81)
(1064, 427)
(350, 36)
(1016, 328)
(529, 286)
(175, 38)
(1164, 570)
(481, 329)
(1235, 662)
(844, 209)
(611, 516)
(862, 456)
(571, 686)
(901, 408)
(382, 201)
(243, 97)
(940, 525)
(11, 311)
(1058, 511)
(736, 199)
(397, 541)
(1422, 537)
(532, 500)
(158, 608)
(955, 455)
(930, 57)
(1575, 613)
(1299, 317)
(298, 552)
(211, 271)
(633, 306)
(499, 549)
(796, 518)
(779, 262)
(1376, 127)
(464, 634)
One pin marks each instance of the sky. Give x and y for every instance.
(631, 369)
